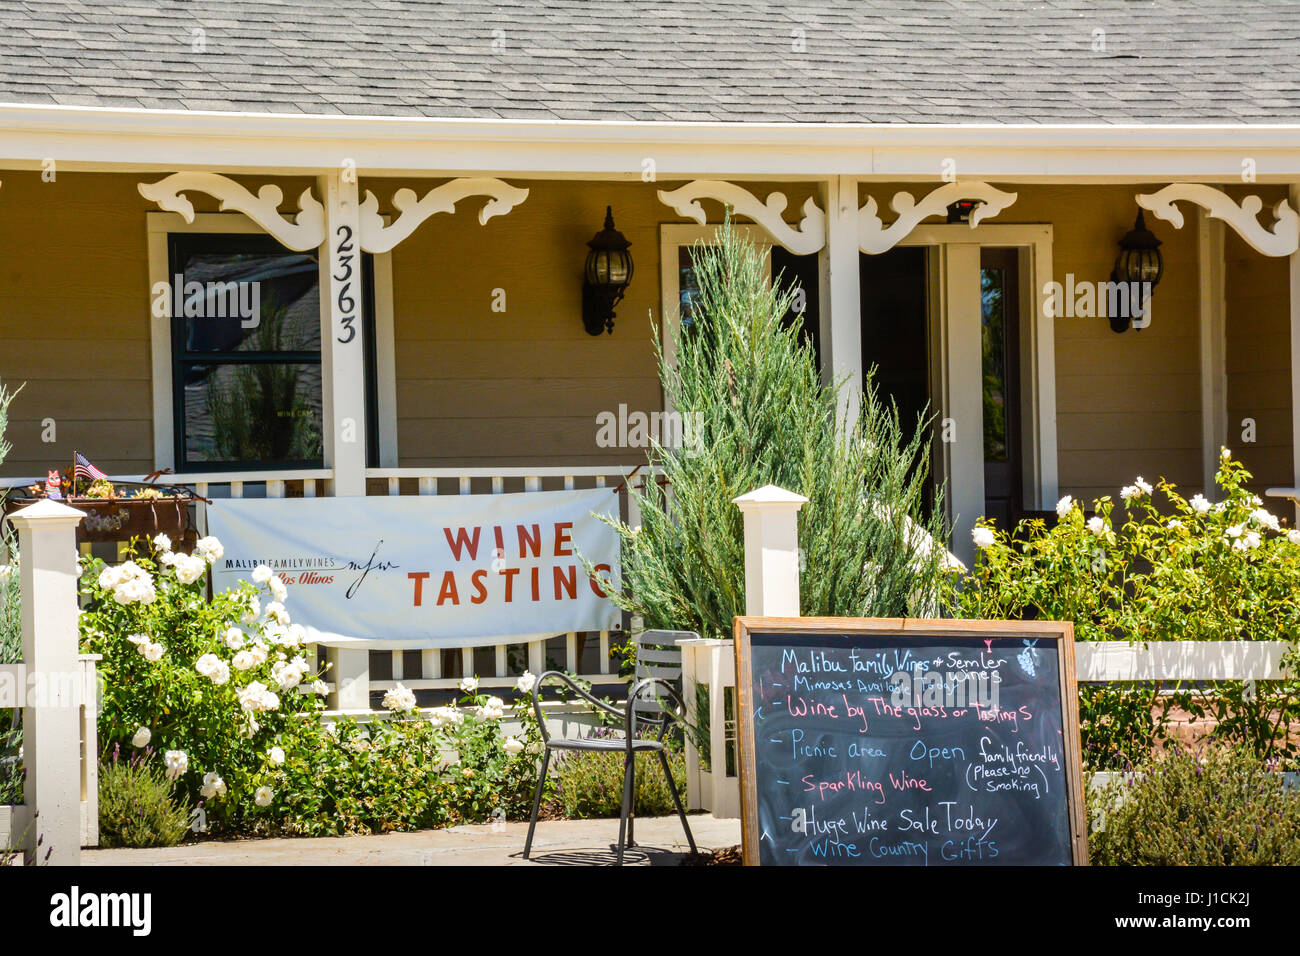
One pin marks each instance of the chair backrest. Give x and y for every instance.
(657, 655)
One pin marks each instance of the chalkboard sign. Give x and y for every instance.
(892, 742)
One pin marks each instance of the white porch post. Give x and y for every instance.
(344, 392)
(961, 393)
(771, 551)
(841, 294)
(52, 718)
(1213, 346)
(1293, 261)
(342, 346)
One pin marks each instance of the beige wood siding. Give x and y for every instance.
(1127, 404)
(1259, 353)
(74, 308)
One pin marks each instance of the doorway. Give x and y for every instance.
(900, 329)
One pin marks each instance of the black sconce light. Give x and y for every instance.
(1140, 265)
(607, 274)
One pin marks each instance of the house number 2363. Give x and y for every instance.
(346, 302)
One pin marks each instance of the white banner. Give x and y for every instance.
(428, 571)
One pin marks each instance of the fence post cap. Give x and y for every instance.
(46, 510)
(770, 497)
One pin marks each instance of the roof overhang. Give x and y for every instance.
(169, 140)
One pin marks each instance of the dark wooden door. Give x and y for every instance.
(1000, 336)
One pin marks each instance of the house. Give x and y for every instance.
(374, 218)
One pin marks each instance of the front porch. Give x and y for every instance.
(476, 375)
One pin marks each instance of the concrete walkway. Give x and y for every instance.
(557, 843)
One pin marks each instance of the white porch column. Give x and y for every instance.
(342, 347)
(1293, 262)
(51, 719)
(1213, 346)
(841, 322)
(771, 551)
(343, 398)
(961, 398)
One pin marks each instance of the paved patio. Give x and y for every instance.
(557, 843)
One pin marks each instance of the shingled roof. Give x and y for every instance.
(861, 61)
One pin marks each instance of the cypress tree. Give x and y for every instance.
(755, 411)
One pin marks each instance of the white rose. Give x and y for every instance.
(1200, 504)
(278, 590)
(213, 668)
(276, 755)
(162, 544)
(151, 651)
(1263, 516)
(1063, 506)
(177, 763)
(209, 549)
(142, 737)
(213, 785)
(1293, 536)
(469, 685)
(275, 612)
(233, 638)
(512, 746)
(399, 699)
(189, 568)
(1225, 453)
(254, 610)
(1096, 525)
(261, 574)
(263, 796)
(525, 682)
(983, 537)
(494, 708)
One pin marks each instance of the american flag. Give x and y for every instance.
(82, 468)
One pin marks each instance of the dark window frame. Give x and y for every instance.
(182, 245)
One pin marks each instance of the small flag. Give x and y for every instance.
(82, 468)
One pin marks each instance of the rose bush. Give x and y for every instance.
(1148, 569)
(213, 685)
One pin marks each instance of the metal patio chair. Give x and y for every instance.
(634, 718)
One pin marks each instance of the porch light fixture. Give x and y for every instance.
(1140, 264)
(606, 277)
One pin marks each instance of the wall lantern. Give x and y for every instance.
(1140, 264)
(607, 274)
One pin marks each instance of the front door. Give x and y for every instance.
(999, 336)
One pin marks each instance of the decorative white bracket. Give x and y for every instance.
(808, 238)
(307, 232)
(377, 237)
(1283, 240)
(874, 237)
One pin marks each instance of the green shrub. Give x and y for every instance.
(406, 771)
(590, 784)
(1185, 809)
(1143, 569)
(210, 684)
(138, 805)
(755, 411)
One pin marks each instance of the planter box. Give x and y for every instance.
(121, 519)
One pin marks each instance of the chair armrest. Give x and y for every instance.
(568, 682)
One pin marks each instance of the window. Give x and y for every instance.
(246, 354)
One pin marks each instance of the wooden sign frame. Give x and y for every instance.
(1059, 631)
